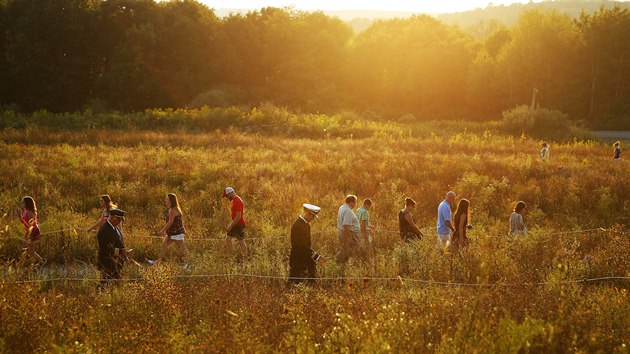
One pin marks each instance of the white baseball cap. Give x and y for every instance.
(227, 191)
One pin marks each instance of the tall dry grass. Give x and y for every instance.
(275, 173)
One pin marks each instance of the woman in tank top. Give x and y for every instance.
(461, 220)
(105, 202)
(407, 223)
(28, 217)
(174, 228)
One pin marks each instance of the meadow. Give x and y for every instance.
(498, 295)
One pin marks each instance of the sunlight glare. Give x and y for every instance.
(424, 6)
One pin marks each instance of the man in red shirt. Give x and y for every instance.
(236, 229)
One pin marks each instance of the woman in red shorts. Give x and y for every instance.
(28, 217)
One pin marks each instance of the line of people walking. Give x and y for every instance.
(112, 252)
(354, 237)
(353, 231)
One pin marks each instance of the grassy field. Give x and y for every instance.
(498, 295)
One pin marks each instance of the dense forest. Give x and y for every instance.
(129, 55)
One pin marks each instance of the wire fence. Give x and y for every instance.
(216, 239)
(398, 279)
(267, 276)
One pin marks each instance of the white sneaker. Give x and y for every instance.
(151, 262)
(186, 266)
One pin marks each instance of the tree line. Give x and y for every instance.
(129, 55)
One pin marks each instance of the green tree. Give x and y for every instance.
(164, 54)
(287, 56)
(542, 55)
(485, 95)
(47, 53)
(606, 70)
(415, 65)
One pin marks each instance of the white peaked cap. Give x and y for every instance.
(312, 208)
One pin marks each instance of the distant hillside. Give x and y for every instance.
(509, 14)
(362, 19)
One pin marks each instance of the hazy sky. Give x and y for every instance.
(427, 6)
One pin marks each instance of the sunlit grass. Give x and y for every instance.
(166, 308)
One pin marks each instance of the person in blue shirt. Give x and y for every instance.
(445, 220)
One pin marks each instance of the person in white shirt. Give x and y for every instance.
(517, 225)
(348, 229)
(544, 152)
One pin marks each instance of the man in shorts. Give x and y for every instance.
(236, 228)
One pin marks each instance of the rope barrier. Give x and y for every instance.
(277, 277)
(255, 276)
(150, 236)
(58, 231)
(209, 239)
(428, 228)
(377, 231)
(579, 231)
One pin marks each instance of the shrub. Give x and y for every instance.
(540, 123)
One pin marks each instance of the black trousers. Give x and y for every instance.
(111, 271)
(298, 271)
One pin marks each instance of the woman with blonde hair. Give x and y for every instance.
(105, 202)
(28, 217)
(174, 228)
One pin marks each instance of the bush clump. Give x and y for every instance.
(540, 123)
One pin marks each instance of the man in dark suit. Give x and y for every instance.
(303, 260)
(111, 247)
